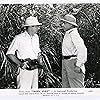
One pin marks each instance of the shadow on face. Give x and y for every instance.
(32, 29)
(66, 26)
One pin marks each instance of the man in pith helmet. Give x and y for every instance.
(26, 45)
(74, 54)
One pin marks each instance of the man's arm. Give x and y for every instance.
(11, 53)
(12, 49)
(14, 59)
(81, 48)
(81, 51)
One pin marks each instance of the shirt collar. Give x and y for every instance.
(71, 30)
(26, 34)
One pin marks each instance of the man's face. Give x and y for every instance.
(66, 26)
(33, 29)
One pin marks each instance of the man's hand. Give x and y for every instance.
(24, 65)
(40, 58)
(77, 69)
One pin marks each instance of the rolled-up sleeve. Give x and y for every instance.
(13, 46)
(81, 48)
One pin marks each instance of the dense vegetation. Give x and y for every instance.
(12, 18)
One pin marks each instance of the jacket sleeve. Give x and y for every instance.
(81, 48)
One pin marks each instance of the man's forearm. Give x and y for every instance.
(14, 59)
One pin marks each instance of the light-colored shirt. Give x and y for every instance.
(73, 44)
(25, 45)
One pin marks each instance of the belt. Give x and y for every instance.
(28, 60)
(68, 57)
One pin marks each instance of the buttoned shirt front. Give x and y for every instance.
(25, 45)
(73, 44)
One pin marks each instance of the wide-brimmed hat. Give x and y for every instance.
(31, 21)
(70, 19)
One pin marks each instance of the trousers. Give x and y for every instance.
(70, 78)
(27, 79)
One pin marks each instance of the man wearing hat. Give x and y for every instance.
(74, 54)
(26, 45)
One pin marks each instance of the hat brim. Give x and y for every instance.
(69, 22)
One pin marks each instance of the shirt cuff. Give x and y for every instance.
(8, 52)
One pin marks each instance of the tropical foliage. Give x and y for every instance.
(12, 18)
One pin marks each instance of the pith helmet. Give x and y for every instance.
(70, 19)
(31, 21)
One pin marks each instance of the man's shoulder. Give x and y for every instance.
(20, 35)
(74, 31)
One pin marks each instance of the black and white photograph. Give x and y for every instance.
(49, 45)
